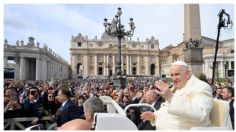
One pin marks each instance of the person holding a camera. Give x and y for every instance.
(33, 105)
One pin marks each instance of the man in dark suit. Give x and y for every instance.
(68, 110)
(228, 95)
(152, 98)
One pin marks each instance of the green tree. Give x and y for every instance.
(202, 77)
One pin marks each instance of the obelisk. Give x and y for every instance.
(192, 38)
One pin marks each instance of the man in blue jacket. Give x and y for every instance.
(68, 110)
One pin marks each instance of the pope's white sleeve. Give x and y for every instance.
(196, 106)
(153, 122)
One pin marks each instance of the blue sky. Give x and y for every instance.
(54, 24)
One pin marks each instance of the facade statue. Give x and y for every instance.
(5, 42)
(38, 44)
(31, 41)
(192, 43)
(22, 42)
(17, 43)
(72, 38)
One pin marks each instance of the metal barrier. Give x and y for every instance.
(12, 122)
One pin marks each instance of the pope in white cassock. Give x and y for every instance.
(188, 103)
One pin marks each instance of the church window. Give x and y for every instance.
(79, 44)
(134, 70)
(100, 71)
(152, 46)
(231, 51)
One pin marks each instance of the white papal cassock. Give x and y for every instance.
(189, 107)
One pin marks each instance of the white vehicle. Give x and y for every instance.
(116, 118)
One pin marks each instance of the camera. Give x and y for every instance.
(33, 93)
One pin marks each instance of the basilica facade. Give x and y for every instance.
(98, 57)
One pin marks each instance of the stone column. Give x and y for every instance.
(128, 65)
(221, 69)
(85, 64)
(53, 70)
(22, 68)
(51, 73)
(138, 65)
(17, 69)
(131, 65)
(113, 65)
(49, 70)
(73, 66)
(56, 70)
(5, 61)
(107, 65)
(230, 65)
(203, 67)
(147, 66)
(157, 68)
(96, 65)
(44, 69)
(224, 71)
(104, 65)
(122, 64)
(38, 69)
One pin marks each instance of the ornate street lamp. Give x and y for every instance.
(116, 29)
(227, 23)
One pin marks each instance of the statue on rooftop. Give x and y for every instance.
(5, 42)
(31, 41)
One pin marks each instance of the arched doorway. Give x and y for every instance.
(152, 69)
(78, 68)
(110, 72)
(100, 71)
(134, 71)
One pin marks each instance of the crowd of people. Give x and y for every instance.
(185, 100)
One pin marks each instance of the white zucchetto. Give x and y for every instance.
(180, 63)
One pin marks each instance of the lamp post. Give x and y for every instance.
(222, 23)
(116, 29)
(109, 66)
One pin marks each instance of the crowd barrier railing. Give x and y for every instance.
(13, 122)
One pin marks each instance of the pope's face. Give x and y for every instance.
(179, 76)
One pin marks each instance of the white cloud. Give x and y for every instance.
(14, 19)
(64, 17)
